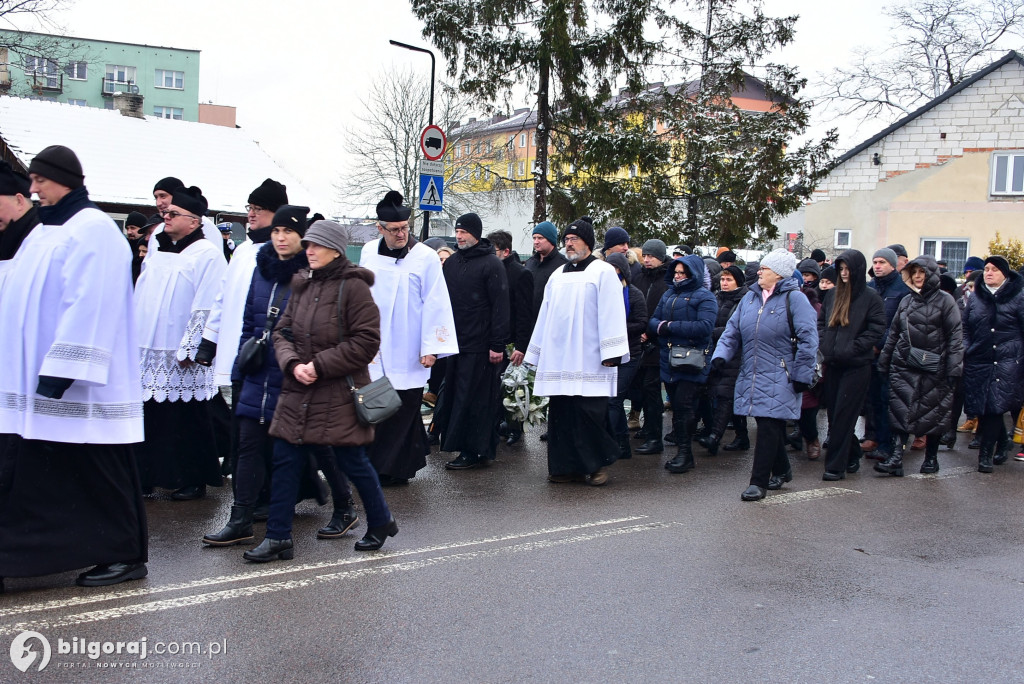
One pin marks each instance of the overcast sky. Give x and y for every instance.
(297, 71)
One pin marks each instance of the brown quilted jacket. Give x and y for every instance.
(323, 413)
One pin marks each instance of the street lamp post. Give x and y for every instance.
(425, 231)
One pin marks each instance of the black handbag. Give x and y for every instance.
(687, 359)
(377, 401)
(253, 353)
(924, 361)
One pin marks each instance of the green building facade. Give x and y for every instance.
(85, 72)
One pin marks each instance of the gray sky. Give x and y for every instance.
(296, 71)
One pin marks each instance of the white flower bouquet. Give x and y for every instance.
(520, 403)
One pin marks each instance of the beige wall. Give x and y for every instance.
(218, 115)
(947, 201)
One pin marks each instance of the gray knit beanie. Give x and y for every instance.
(888, 255)
(780, 261)
(656, 248)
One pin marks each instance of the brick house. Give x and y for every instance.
(941, 181)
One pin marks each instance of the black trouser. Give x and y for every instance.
(654, 407)
(958, 404)
(845, 389)
(769, 451)
(931, 448)
(991, 429)
(723, 412)
(683, 395)
(809, 423)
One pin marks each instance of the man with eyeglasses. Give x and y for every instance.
(173, 298)
(416, 328)
(478, 289)
(162, 192)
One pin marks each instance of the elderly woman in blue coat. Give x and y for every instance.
(777, 364)
(684, 317)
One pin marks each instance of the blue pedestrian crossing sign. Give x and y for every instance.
(431, 186)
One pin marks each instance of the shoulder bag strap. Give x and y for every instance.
(341, 333)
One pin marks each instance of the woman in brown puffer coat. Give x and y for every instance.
(927, 322)
(316, 405)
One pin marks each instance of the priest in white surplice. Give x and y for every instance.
(579, 339)
(70, 397)
(173, 298)
(416, 328)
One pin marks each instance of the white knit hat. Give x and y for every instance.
(780, 261)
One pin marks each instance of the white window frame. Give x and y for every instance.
(173, 113)
(939, 250)
(521, 171)
(511, 168)
(634, 171)
(112, 73)
(77, 71)
(458, 151)
(77, 102)
(46, 68)
(522, 139)
(533, 138)
(161, 79)
(1014, 174)
(838, 242)
(490, 147)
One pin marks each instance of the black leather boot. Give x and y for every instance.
(237, 530)
(710, 443)
(1000, 455)
(376, 536)
(795, 441)
(683, 462)
(651, 446)
(741, 443)
(270, 549)
(343, 520)
(931, 455)
(625, 451)
(985, 458)
(893, 465)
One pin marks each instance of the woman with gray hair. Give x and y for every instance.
(329, 333)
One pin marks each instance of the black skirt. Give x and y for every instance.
(68, 506)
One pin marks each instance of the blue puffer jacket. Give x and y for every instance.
(261, 390)
(689, 311)
(994, 348)
(760, 333)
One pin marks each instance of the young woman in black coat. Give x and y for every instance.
(723, 383)
(850, 328)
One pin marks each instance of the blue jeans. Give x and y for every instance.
(288, 464)
(616, 412)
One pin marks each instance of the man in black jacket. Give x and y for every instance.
(652, 284)
(17, 215)
(521, 315)
(479, 294)
(546, 260)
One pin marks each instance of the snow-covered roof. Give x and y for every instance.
(123, 157)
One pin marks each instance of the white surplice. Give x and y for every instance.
(582, 321)
(66, 308)
(173, 298)
(224, 326)
(415, 313)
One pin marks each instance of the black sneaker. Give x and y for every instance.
(464, 461)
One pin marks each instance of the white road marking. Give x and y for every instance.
(272, 587)
(807, 495)
(945, 473)
(276, 570)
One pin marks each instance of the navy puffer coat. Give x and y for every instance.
(689, 311)
(919, 402)
(994, 348)
(261, 390)
(759, 333)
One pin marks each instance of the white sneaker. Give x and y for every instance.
(1019, 457)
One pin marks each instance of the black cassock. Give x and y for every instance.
(469, 403)
(400, 446)
(578, 439)
(68, 506)
(181, 445)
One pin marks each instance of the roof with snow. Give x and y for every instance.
(123, 157)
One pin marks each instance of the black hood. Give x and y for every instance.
(277, 270)
(932, 280)
(858, 266)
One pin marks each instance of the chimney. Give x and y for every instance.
(129, 104)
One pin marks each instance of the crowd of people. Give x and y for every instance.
(173, 359)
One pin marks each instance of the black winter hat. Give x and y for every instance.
(168, 185)
(737, 274)
(136, 219)
(828, 273)
(190, 199)
(12, 182)
(154, 220)
(818, 255)
(270, 195)
(471, 224)
(1001, 263)
(727, 255)
(291, 216)
(582, 227)
(59, 164)
(947, 283)
(615, 236)
(900, 250)
(390, 209)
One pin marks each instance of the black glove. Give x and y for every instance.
(800, 387)
(611, 363)
(205, 352)
(51, 387)
(717, 364)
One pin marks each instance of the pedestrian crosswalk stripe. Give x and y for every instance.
(807, 495)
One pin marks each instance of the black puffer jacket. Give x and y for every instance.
(853, 344)
(994, 348)
(919, 402)
(478, 289)
(651, 282)
(725, 381)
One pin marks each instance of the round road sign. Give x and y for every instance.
(433, 142)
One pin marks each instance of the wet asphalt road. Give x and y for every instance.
(499, 576)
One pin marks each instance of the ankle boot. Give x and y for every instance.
(999, 455)
(985, 458)
(237, 530)
(795, 441)
(651, 446)
(683, 461)
(931, 457)
(741, 443)
(710, 443)
(625, 452)
(343, 520)
(893, 465)
(270, 549)
(813, 450)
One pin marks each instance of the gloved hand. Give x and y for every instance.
(205, 352)
(717, 364)
(800, 387)
(53, 388)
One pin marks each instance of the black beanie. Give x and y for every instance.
(291, 216)
(390, 209)
(737, 274)
(584, 229)
(190, 199)
(59, 164)
(947, 283)
(168, 185)
(727, 255)
(136, 218)
(1001, 263)
(818, 255)
(270, 195)
(471, 224)
(12, 182)
(829, 273)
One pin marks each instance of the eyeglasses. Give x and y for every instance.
(572, 239)
(175, 214)
(396, 230)
(255, 209)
